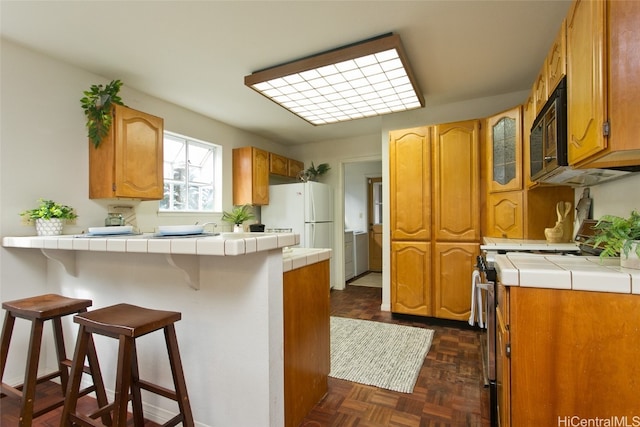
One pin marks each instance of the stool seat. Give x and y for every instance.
(126, 319)
(37, 310)
(126, 322)
(46, 306)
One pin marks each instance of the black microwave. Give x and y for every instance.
(548, 142)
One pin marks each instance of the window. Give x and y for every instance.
(192, 175)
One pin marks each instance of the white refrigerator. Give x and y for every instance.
(307, 209)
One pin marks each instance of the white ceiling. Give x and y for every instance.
(196, 53)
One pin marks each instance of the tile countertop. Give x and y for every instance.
(566, 272)
(223, 244)
(293, 258)
(502, 244)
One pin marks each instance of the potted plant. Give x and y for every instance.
(314, 172)
(49, 217)
(97, 103)
(618, 236)
(237, 216)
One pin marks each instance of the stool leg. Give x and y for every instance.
(75, 375)
(61, 352)
(7, 330)
(136, 396)
(123, 381)
(96, 376)
(31, 373)
(178, 376)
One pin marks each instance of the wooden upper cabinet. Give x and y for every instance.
(411, 290)
(250, 176)
(294, 167)
(456, 181)
(410, 183)
(540, 92)
(504, 151)
(128, 161)
(278, 165)
(528, 116)
(587, 75)
(603, 89)
(556, 61)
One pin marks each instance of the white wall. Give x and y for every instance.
(44, 154)
(618, 197)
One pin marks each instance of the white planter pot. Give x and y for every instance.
(49, 227)
(632, 260)
(237, 228)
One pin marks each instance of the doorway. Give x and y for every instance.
(363, 220)
(375, 224)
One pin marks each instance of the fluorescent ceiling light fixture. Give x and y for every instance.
(364, 79)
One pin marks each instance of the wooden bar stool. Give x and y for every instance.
(126, 323)
(38, 310)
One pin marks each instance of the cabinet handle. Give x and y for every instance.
(507, 350)
(549, 158)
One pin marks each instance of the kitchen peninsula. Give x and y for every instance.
(229, 289)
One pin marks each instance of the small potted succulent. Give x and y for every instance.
(237, 216)
(618, 236)
(49, 217)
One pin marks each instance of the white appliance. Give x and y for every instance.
(307, 209)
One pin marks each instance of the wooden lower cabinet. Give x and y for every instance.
(573, 356)
(454, 264)
(411, 278)
(307, 357)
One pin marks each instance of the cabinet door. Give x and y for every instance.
(294, 167)
(504, 136)
(556, 61)
(456, 180)
(410, 184)
(540, 93)
(139, 155)
(587, 76)
(505, 216)
(278, 165)
(503, 363)
(250, 176)
(454, 264)
(528, 116)
(128, 162)
(411, 278)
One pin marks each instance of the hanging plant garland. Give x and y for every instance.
(96, 103)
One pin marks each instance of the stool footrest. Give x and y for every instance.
(154, 388)
(11, 391)
(174, 421)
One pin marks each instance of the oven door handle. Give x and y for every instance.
(485, 286)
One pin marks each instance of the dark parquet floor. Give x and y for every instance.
(448, 393)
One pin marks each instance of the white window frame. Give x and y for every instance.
(217, 174)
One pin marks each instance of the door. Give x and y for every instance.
(375, 224)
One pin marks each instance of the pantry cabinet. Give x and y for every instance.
(128, 161)
(250, 176)
(603, 90)
(560, 353)
(434, 242)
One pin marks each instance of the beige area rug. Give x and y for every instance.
(378, 354)
(371, 280)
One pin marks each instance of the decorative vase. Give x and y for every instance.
(631, 260)
(49, 227)
(237, 228)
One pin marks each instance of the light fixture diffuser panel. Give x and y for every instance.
(366, 79)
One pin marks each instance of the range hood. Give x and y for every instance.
(566, 175)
